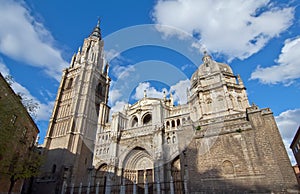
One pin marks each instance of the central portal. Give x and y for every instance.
(138, 168)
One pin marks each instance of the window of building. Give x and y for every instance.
(134, 122)
(13, 119)
(147, 119)
(178, 122)
(173, 123)
(168, 124)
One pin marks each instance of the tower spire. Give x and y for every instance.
(97, 31)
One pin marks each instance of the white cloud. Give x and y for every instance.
(111, 54)
(121, 72)
(150, 91)
(288, 123)
(118, 107)
(22, 38)
(234, 28)
(179, 91)
(287, 68)
(114, 95)
(45, 110)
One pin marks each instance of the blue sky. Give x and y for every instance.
(157, 45)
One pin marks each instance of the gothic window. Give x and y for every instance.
(168, 124)
(178, 122)
(147, 119)
(173, 123)
(134, 122)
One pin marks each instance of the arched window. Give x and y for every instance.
(178, 122)
(134, 122)
(173, 123)
(168, 124)
(147, 119)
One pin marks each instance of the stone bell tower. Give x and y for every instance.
(80, 104)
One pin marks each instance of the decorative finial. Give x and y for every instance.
(206, 57)
(145, 93)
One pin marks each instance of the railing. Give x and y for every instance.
(170, 187)
(138, 131)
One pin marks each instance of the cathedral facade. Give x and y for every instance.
(215, 143)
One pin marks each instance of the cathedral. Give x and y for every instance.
(215, 143)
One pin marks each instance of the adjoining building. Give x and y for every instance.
(216, 142)
(295, 146)
(18, 134)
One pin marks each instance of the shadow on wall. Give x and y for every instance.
(56, 179)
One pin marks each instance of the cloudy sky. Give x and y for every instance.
(156, 46)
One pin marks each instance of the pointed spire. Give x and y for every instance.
(97, 31)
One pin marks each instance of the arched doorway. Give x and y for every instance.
(138, 167)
